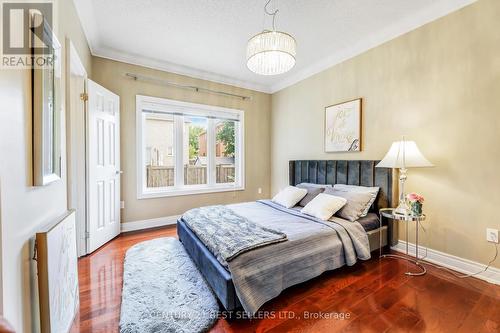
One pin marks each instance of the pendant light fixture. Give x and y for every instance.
(271, 52)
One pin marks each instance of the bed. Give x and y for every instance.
(314, 238)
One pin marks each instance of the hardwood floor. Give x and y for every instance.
(373, 296)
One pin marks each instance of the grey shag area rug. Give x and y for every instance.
(163, 291)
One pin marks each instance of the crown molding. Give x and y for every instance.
(437, 10)
(85, 13)
(166, 66)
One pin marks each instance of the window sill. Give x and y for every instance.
(194, 190)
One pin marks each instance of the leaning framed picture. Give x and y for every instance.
(343, 127)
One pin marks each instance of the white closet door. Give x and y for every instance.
(103, 165)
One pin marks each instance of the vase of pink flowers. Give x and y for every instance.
(416, 201)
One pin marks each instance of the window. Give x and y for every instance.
(186, 148)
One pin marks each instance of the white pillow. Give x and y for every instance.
(289, 196)
(323, 206)
(353, 188)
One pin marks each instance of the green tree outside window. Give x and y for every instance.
(194, 140)
(226, 136)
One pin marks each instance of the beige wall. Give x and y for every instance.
(110, 74)
(24, 209)
(438, 85)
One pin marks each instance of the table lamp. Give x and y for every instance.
(403, 155)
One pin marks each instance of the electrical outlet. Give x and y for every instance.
(492, 235)
(122, 204)
(259, 190)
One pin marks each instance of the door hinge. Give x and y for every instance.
(87, 234)
(84, 97)
(35, 251)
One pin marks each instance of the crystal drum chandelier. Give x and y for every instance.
(271, 52)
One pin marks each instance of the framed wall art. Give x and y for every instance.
(57, 267)
(343, 127)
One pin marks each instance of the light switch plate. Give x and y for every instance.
(122, 204)
(492, 235)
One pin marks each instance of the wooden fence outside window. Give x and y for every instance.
(162, 176)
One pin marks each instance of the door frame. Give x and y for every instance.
(76, 146)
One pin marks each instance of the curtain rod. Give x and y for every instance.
(137, 77)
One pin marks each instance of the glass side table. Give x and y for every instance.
(406, 219)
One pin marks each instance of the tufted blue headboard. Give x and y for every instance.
(361, 173)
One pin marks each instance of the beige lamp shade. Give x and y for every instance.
(402, 155)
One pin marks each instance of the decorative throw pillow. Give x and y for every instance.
(312, 192)
(353, 188)
(289, 196)
(355, 206)
(324, 206)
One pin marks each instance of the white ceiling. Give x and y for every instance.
(207, 38)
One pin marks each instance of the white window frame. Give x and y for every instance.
(162, 104)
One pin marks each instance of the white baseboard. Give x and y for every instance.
(151, 223)
(455, 263)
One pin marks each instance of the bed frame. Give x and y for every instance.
(361, 173)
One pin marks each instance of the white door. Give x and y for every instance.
(103, 165)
